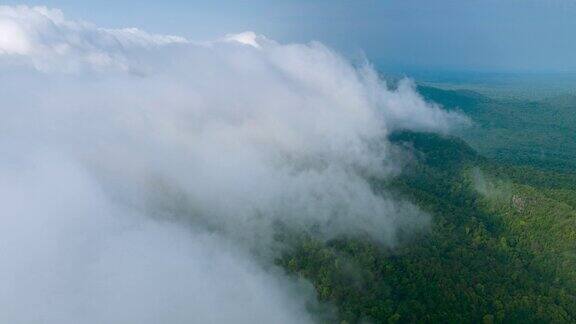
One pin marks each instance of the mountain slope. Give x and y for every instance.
(514, 131)
(497, 250)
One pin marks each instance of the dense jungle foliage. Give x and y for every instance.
(502, 243)
(540, 133)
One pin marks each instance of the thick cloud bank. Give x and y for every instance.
(143, 176)
(69, 256)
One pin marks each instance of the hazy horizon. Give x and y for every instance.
(408, 36)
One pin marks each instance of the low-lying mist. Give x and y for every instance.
(143, 176)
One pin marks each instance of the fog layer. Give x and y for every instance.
(143, 176)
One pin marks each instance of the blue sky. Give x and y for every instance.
(477, 35)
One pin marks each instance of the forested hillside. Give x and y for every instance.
(540, 133)
(502, 244)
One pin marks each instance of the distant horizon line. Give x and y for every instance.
(397, 69)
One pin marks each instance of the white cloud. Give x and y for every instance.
(246, 38)
(45, 39)
(69, 255)
(12, 39)
(167, 154)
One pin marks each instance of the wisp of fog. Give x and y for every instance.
(142, 176)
